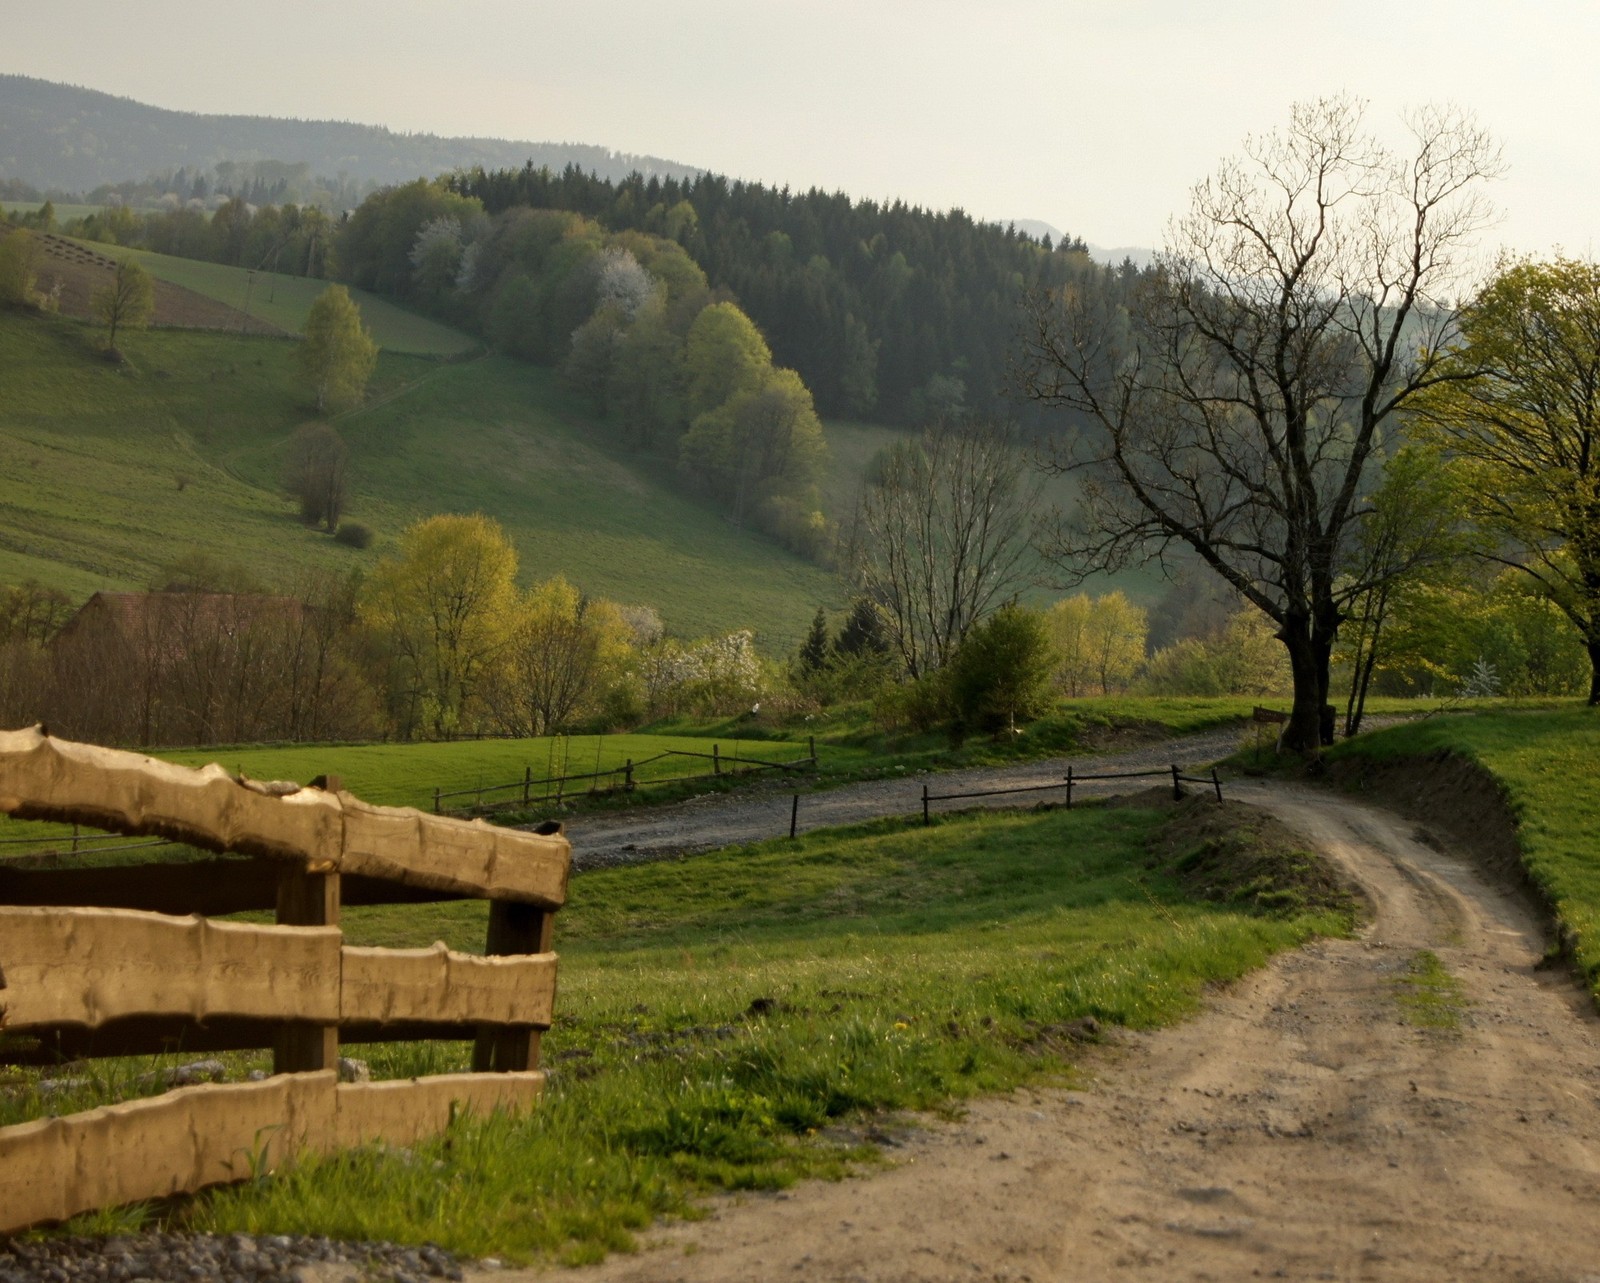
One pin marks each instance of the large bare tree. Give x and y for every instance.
(943, 536)
(1235, 409)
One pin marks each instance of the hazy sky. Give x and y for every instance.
(1094, 116)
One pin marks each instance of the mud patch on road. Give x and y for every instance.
(1232, 853)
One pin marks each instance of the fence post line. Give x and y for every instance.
(1217, 780)
(306, 900)
(527, 783)
(925, 804)
(1069, 786)
(1177, 788)
(794, 816)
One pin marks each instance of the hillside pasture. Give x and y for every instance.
(72, 273)
(111, 472)
(283, 302)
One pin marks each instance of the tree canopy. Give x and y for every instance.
(1523, 414)
(338, 355)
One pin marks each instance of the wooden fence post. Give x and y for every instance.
(925, 819)
(527, 783)
(811, 748)
(1177, 788)
(513, 928)
(1069, 786)
(1217, 780)
(436, 802)
(716, 760)
(306, 900)
(627, 772)
(794, 815)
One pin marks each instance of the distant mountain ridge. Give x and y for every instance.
(65, 138)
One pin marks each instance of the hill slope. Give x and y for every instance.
(283, 302)
(109, 473)
(62, 136)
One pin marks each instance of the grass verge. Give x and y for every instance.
(734, 1021)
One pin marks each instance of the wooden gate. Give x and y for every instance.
(127, 961)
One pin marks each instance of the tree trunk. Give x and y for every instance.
(1304, 733)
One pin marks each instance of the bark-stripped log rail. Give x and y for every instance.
(117, 961)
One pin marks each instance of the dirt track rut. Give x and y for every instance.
(1297, 1129)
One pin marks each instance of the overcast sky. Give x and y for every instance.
(1093, 115)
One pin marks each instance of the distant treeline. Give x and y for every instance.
(887, 311)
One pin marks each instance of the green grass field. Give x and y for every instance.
(108, 473)
(726, 1021)
(285, 301)
(1546, 760)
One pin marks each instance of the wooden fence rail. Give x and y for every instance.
(126, 960)
(625, 778)
(1068, 782)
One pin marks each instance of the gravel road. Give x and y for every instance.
(750, 815)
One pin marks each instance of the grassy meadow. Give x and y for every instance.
(1546, 761)
(738, 1021)
(110, 472)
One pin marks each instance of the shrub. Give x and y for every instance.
(1002, 673)
(352, 534)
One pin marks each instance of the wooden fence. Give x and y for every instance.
(125, 960)
(624, 778)
(1068, 782)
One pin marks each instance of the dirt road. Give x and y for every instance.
(1298, 1129)
(723, 819)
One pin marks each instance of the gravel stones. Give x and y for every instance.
(210, 1258)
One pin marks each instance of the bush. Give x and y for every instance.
(352, 534)
(918, 705)
(1002, 673)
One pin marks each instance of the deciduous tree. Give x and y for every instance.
(563, 657)
(316, 474)
(1099, 642)
(445, 609)
(127, 302)
(338, 354)
(1524, 416)
(19, 267)
(943, 535)
(1299, 306)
